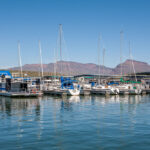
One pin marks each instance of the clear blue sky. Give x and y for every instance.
(82, 20)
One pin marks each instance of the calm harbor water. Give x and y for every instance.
(92, 122)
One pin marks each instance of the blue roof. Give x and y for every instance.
(6, 73)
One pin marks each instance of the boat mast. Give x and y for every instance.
(103, 58)
(20, 61)
(121, 39)
(40, 50)
(130, 58)
(55, 63)
(132, 63)
(99, 57)
(60, 43)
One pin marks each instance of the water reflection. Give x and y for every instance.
(15, 106)
(63, 120)
(12, 105)
(125, 99)
(74, 99)
(67, 102)
(34, 109)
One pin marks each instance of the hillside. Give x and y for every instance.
(75, 68)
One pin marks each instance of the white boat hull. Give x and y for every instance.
(74, 92)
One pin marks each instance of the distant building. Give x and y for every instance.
(16, 74)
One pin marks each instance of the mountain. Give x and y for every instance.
(68, 68)
(130, 65)
(75, 68)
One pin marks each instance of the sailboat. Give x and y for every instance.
(67, 84)
(100, 88)
(70, 86)
(64, 85)
(130, 87)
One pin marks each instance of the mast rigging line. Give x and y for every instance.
(132, 63)
(67, 54)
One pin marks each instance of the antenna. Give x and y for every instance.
(41, 57)
(20, 62)
(121, 45)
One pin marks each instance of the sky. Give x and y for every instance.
(83, 21)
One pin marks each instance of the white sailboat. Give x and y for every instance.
(130, 87)
(74, 91)
(100, 88)
(56, 86)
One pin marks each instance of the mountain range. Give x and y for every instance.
(75, 68)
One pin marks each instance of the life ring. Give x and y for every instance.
(34, 91)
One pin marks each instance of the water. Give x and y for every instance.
(85, 123)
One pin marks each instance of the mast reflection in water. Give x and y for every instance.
(90, 122)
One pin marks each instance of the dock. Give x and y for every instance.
(147, 91)
(19, 94)
(100, 92)
(85, 92)
(105, 92)
(55, 92)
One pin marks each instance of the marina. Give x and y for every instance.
(69, 86)
(74, 75)
(73, 85)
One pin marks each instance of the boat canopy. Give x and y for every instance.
(67, 83)
(5, 73)
(121, 80)
(112, 83)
